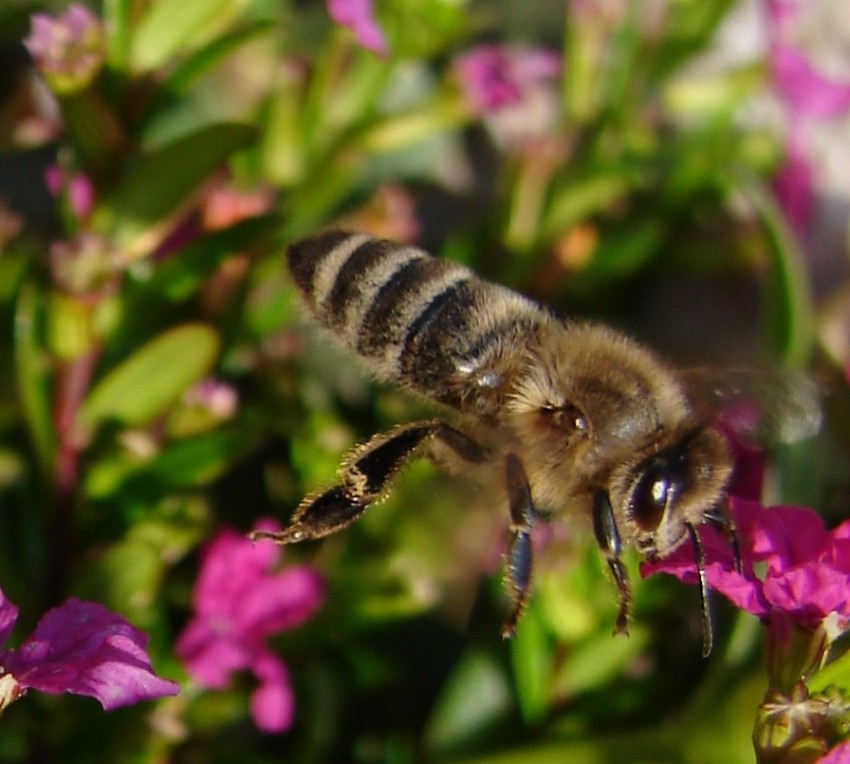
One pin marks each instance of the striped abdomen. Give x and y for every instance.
(424, 321)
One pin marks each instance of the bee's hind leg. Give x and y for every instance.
(364, 476)
(519, 562)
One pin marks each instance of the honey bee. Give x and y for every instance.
(576, 416)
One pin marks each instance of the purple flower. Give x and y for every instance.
(239, 603)
(839, 754)
(68, 49)
(77, 186)
(808, 97)
(82, 648)
(806, 568)
(359, 17)
(494, 77)
(511, 89)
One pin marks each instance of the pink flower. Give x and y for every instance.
(839, 754)
(494, 77)
(806, 568)
(808, 97)
(511, 89)
(239, 603)
(68, 49)
(217, 398)
(226, 205)
(78, 187)
(82, 648)
(806, 92)
(359, 17)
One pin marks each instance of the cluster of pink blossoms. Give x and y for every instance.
(806, 576)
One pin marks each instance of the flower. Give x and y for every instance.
(359, 17)
(217, 398)
(510, 88)
(808, 97)
(239, 603)
(77, 186)
(839, 754)
(806, 568)
(494, 77)
(225, 205)
(68, 49)
(82, 648)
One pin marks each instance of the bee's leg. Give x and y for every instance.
(364, 476)
(520, 554)
(608, 538)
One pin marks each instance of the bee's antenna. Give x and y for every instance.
(707, 626)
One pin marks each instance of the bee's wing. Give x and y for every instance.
(771, 406)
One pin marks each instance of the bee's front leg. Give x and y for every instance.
(519, 563)
(364, 476)
(608, 538)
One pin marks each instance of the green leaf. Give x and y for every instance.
(32, 378)
(201, 61)
(836, 674)
(171, 26)
(126, 577)
(474, 699)
(155, 188)
(789, 323)
(144, 385)
(118, 19)
(196, 461)
(585, 197)
(532, 659)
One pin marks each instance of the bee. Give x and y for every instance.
(576, 416)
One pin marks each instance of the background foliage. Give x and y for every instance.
(634, 187)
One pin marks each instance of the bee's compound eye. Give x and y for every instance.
(567, 418)
(649, 500)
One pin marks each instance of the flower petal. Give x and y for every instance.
(279, 602)
(83, 648)
(810, 593)
(359, 17)
(209, 658)
(231, 564)
(272, 703)
(839, 754)
(8, 617)
(806, 91)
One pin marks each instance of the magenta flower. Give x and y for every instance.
(512, 90)
(359, 17)
(68, 49)
(240, 601)
(806, 568)
(82, 648)
(839, 754)
(808, 97)
(494, 77)
(77, 186)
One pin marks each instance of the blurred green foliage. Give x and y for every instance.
(645, 183)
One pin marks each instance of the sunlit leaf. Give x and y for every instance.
(170, 26)
(151, 379)
(532, 658)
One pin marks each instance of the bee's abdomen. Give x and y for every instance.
(412, 316)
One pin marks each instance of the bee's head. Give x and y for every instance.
(677, 486)
(660, 498)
